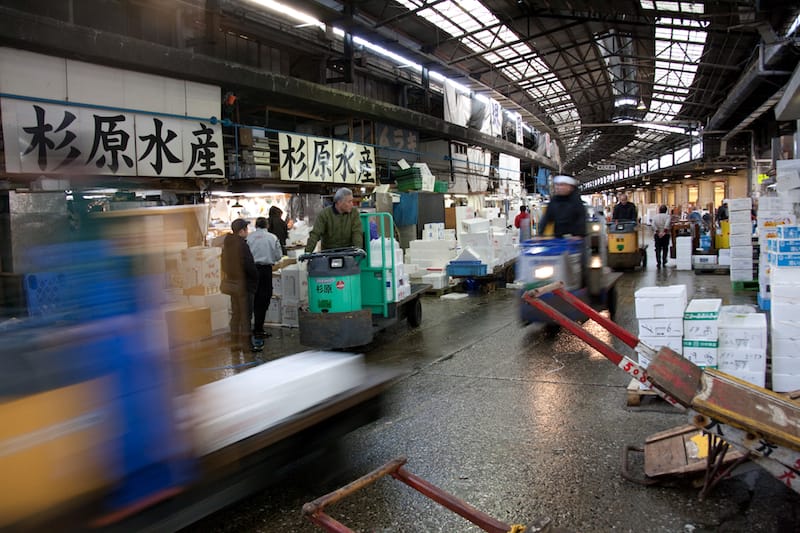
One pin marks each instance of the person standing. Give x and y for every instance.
(241, 281)
(624, 210)
(266, 252)
(661, 234)
(337, 226)
(523, 222)
(278, 227)
(566, 210)
(722, 212)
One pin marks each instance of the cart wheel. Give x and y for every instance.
(611, 302)
(551, 330)
(414, 313)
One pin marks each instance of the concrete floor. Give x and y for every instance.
(520, 425)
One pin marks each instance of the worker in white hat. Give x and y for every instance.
(566, 210)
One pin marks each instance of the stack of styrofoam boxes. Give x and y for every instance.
(430, 259)
(219, 306)
(683, 253)
(784, 278)
(660, 314)
(741, 238)
(701, 331)
(505, 244)
(201, 270)
(773, 211)
(433, 231)
(743, 346)
(396, 278)
(480, 246)
(293, 294)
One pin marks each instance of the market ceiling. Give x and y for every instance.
(616, 83)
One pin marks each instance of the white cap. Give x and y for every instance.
(568, 180)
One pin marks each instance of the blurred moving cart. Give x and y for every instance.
(760, 424)
(315, 510)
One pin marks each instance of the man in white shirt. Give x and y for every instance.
(266, 251)
(661, 234)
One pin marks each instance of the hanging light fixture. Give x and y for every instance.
(237, 204)
(641, 106)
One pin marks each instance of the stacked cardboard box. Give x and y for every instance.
(743, 346)
(292, 295)
(785, 312)
(660, 314)
(741, 238)
(701, 331)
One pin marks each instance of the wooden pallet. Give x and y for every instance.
(635, 394)
(439, 292)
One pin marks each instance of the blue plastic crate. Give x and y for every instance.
(466, 268)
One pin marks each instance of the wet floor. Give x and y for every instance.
(521, 425)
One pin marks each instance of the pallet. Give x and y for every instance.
(635, 394)
(440, 292)
(751, 285)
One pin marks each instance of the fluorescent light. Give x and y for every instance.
(687, 175)
(717, 170)
(665, 179)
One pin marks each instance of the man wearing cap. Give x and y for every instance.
(566, 210)
(241, 281)
(266, 252)
(337, 226)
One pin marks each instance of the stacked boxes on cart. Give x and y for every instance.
(704, 331)
(398, 281)
(784, 279)
(660, 314)
(741, 238)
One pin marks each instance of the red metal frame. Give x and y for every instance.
(627, 364)
(315, 510)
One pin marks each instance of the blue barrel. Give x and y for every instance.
(548, 260)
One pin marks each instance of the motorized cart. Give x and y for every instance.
(760, 424)
(354, 293)
(577, 262)
(626, 247)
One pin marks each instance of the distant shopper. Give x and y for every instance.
(523, 222)
(661, 234)
(240, 283)
(624, 210)
(278, 227)
(566, 210)
(337, 226)
(266, 252)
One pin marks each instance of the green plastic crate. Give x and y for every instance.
(409, 184)
(440, 186)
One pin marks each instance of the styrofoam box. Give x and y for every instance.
(785, 382)
(241, 405)
(724, 259)
(274, 312)
(294, 283)
(290, 314)
(785, 275)
(674, 343)
(215, 302)
(220, 320)
(701, 352)
(740, 204)
(772, 203)
(704, 259)
(783, 245)
(741, 274)
(743, 331)
(784, 328)
(660, 302)
(475, 225)
(277, 286)
(740, 240)
(784, 347)
(786, 365)
(438, 280)
(661, 327)
(739, 217)
(741, 228)
(700, 319)
(741, 360)
(757, 378)
(783, 259)
(744, 251)
(783, 309)
(787, 231)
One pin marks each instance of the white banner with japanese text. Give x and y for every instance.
(325, 160)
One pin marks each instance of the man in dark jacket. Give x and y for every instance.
(278, 227)
(624, 210)
(241, 277)
(566, 210)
